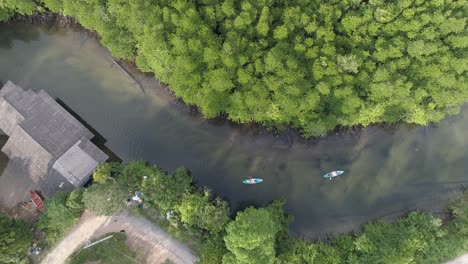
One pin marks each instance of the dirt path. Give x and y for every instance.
(151, 241)
(460, 260)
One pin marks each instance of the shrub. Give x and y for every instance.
(105, 199)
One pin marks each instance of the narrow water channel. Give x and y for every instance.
(388, 170)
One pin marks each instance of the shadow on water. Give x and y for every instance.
(24, 33)
(242, 205)
(98, 139)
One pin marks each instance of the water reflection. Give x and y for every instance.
(388, 170)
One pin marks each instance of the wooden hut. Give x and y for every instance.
(48, 139)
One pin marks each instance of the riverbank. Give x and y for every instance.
(148, 81)
(202, 219)
(388, 171)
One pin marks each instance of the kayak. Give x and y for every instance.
(333, 174)
(252, 181)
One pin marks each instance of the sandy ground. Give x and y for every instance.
(460, 260)
(154, 245)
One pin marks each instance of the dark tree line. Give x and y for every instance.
(314, 65)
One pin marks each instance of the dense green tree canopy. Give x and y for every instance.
(166, 190)
(15, 239)
(314, 65)
(251, 237)
(10, 7)
(197, 210)
(400, 242)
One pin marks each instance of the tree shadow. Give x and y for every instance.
(22, 32)
(242, 205)
(3, 157)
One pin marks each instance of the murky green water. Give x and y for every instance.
(388, 171)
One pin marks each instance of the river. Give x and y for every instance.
(388, 171)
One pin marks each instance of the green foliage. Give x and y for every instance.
(10, 7)
(328, 254)
(285, 63)
(197, 210)
(300, 252)
(454, 239)
(213, 250)
(113, 250)
(75, 200)
(283, 241)
(15, 238)
(166, 191)
(460, 212)
(105, 199)
(62, 211)
(399, 242)
(251, 237)
(133, 173)
(102, 173)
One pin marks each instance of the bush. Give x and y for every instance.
(58, 217)
(166, 191)
(397, 242)
(15, 238)
(102, 173)
(197, 210)
(75, 200)
(455, 240)
(133, 173)
(251, 237)
(105, 199)
(213, 250)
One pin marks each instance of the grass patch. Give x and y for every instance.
(112, 251)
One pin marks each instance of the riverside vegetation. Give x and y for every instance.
(252, 235)
(313, 65)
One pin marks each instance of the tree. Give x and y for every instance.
(460, 210)
(257, 61)
(102, 173)
(197, 210)
(166, 191)
(251, 237)
(133, 173)
(213, 249)
(399, 242)
(10, 7)
(105, 199)
(15, 239)
(58, 218)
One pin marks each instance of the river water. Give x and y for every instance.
(388, 171)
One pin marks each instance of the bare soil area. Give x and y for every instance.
(154, 245)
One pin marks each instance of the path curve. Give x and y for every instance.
(151, 241)
(460, 260)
